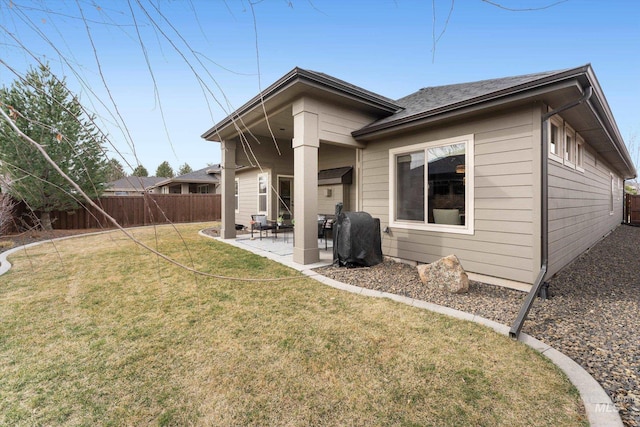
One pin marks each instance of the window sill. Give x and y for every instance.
(556, 158)
(436, 228)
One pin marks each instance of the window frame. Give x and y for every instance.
(559, 124)
(468, 227)
(611, 195)
(264, 175)
(569, 153)
(236, 194)
(580, 147)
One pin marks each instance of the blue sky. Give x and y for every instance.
(385, 46)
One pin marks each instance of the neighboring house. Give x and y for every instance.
(132, 186)
(204, 181)
(517, 176)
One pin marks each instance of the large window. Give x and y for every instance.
(432, 185)
(263, 191)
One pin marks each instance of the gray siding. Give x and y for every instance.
(505, 243)
(329, 157)
(248, 191)
(579, 208)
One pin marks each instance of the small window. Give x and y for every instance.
(569, 146)
(555, 139)
(579, 153)
(237, 194)
(619, 191)
(611, 199)
(263, 187)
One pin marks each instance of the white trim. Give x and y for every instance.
(580, 147)
(358, 178)
(266, 193)
(237, 194)
(557, 122)
(612, 198)
(619, 189)
(468, 227)
(569, 153)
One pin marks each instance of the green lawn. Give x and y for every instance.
(97, 331)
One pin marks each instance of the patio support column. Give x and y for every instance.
(305, 145)
(228, 171)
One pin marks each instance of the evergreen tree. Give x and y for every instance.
(140, 171)
(46, 111)
(164, 170)
(115, 170)
(184, 169)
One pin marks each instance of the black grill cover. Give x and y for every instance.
(356, 240)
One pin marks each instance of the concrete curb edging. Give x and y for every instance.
(600, 409)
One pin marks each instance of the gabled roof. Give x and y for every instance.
(296, 82)
(208, 175)
(134, 183)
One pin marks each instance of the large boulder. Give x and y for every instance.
(446, 273)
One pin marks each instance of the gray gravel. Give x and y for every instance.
(592, 316)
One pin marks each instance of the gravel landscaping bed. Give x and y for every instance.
(592, 316)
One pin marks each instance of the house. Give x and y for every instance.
(203, 181)
(131, 186)
(517, 176)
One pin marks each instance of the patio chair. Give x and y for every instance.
(261, 223)
(325, 226)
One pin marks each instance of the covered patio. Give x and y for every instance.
(281, 249)
(298, 126)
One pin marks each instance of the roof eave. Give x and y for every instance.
(295, 76)
(505, 94)
(601, 109)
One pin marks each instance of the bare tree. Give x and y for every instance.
(7, 208)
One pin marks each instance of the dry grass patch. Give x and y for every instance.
(6, 244)
(97, 331)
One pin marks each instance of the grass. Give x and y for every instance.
(95, 330)
(7, 244)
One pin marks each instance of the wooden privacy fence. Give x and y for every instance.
(632, 209)
(149, 209)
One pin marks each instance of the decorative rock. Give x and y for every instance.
(446, 273)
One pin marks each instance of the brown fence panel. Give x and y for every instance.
(632, 204)
(130, 211)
